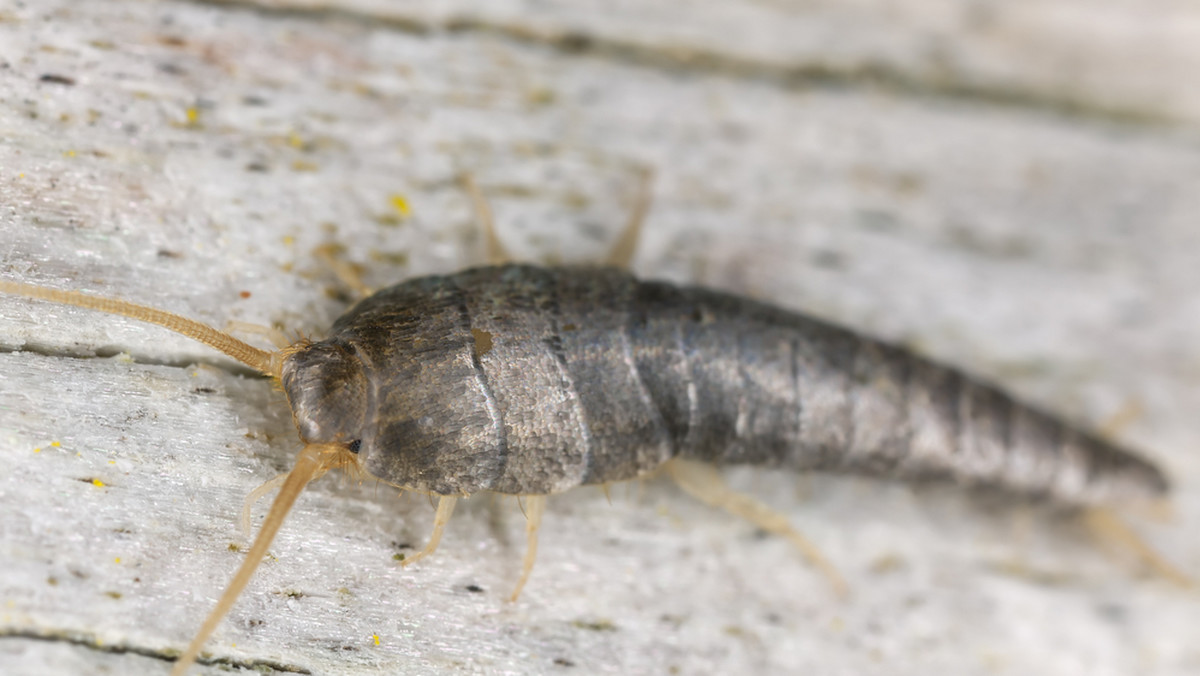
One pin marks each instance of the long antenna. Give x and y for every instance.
(257, 359)
(312, 462)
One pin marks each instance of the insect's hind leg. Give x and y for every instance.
(444, 509)
(703, 482)
(1106, 527)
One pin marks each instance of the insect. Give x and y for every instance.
(530, 381)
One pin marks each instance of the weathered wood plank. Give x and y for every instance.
(180, 154)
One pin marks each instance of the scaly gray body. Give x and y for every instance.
(529, 380)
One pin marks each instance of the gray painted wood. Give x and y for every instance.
(201, 152)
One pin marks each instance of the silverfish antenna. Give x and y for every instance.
(259, 360)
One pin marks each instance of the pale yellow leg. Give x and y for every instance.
(254, 496)
(535, 506)
(703, 482)
(1130, 412)
(496, 253)
(348, 273)
(623, 251)
(1106, 527)
(444, 509)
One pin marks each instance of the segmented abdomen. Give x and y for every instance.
(559, 377)
(754, 384)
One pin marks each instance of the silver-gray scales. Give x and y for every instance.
(528, 380)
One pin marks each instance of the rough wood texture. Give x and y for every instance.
(191, 157)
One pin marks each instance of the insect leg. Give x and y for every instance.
(1108, 528)
(622, 252)
(496, 253)
(535, 506)
(254, 496)
(444, 509)
(347, 273)
(703, 482)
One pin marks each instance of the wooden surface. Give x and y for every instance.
(1010, 188)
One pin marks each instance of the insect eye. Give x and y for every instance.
(355, 445)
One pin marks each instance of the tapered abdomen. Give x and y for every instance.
(752, 384)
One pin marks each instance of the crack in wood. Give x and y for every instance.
(216, 362)
(89, 641)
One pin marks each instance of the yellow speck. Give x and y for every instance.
(112, 462)
(541, 96)
(288, 240)
(21, 175)
(375, 637)
(98, 484)
(70, 153)
(193, 115)
(37, 450)
(55, 444)
(117, 560)
(400, 204)
(294, 140)
(303, 165)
